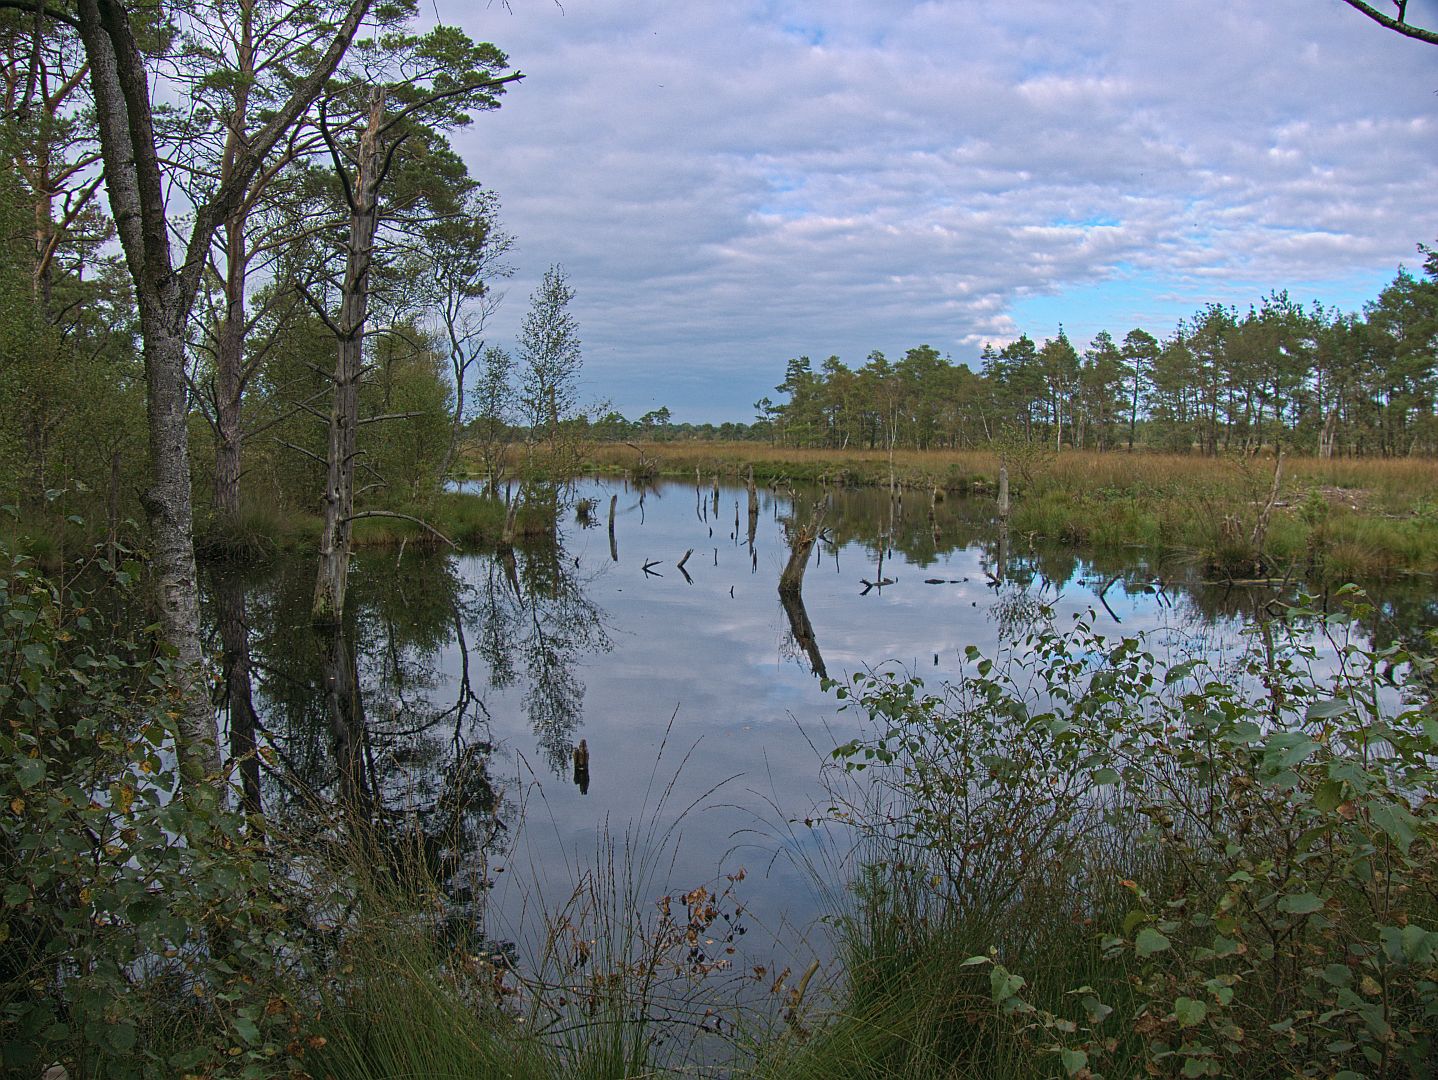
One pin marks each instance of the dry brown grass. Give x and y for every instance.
(1387, 480)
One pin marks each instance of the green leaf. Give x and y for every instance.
(1004, 983)
(1304, 903)
(29, 771)
(1328, 796)
(1189, 1011)
(1105, 776)
(248, 1030)
(1338, 975)
(1097, 1011)
(1395, 821)
(1149, 941)
(1073, 1060)
(1325, 710)
(121, 1037)
(976, 960)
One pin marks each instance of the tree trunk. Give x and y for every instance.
(230, 334)
(1330, 432)
(801, 543)
(229, 388)
(349, 360)
(137, 202)
(239, 691)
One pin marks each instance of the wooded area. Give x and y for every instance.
(1313, 380)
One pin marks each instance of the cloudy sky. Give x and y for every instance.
(734, 182)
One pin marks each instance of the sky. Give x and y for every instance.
(731, 183)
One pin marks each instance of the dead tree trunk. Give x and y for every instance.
(349, 367)
(1259, 535)
(1329, 435)
(613, 543)
(801, 542)
(753, 507)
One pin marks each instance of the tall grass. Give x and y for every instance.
(1378, 516)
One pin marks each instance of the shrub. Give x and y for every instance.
(141, 932)
(1251, 850)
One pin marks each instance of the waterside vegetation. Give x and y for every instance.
(1328, 520)
(1075, 861)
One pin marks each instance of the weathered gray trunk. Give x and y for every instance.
(329, 599)
(613, 543)
(753, 507)
(1329, 436)
(132, 177)
(801, 542)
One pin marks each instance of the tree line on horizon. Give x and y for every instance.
(1311, 379)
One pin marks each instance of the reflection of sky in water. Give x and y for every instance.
(746, 709)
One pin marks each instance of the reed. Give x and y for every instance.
(1332, 520)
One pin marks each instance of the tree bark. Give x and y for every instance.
(349, 329)
(132, 175)
(801, 542)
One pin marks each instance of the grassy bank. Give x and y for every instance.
(1331, 521)
(471, 522)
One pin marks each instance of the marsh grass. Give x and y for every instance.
(1379, 519)
(622, 976)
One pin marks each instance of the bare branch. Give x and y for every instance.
(1397, 25)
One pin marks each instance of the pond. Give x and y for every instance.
(695, 694)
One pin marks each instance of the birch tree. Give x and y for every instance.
(135, 176)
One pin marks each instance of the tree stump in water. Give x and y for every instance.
(801, 542)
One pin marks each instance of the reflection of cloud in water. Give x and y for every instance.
(604, 651)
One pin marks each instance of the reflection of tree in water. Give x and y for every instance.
(801, 640)
(365, 717)
(536, 622)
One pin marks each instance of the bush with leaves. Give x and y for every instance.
(1251, 853)
(142, 932)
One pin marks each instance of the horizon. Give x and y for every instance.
(728, 188)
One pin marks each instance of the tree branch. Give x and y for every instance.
(406, 517)
(1397, 25)
(35, 8)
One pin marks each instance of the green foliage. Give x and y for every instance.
(142, 931)
(1279, 374)
(1251, 851)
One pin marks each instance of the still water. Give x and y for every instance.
(695, 691)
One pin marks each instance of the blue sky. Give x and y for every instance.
(732, 184)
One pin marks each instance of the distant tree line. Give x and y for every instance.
(1311, 379)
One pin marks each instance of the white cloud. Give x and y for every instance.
(731, 185)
